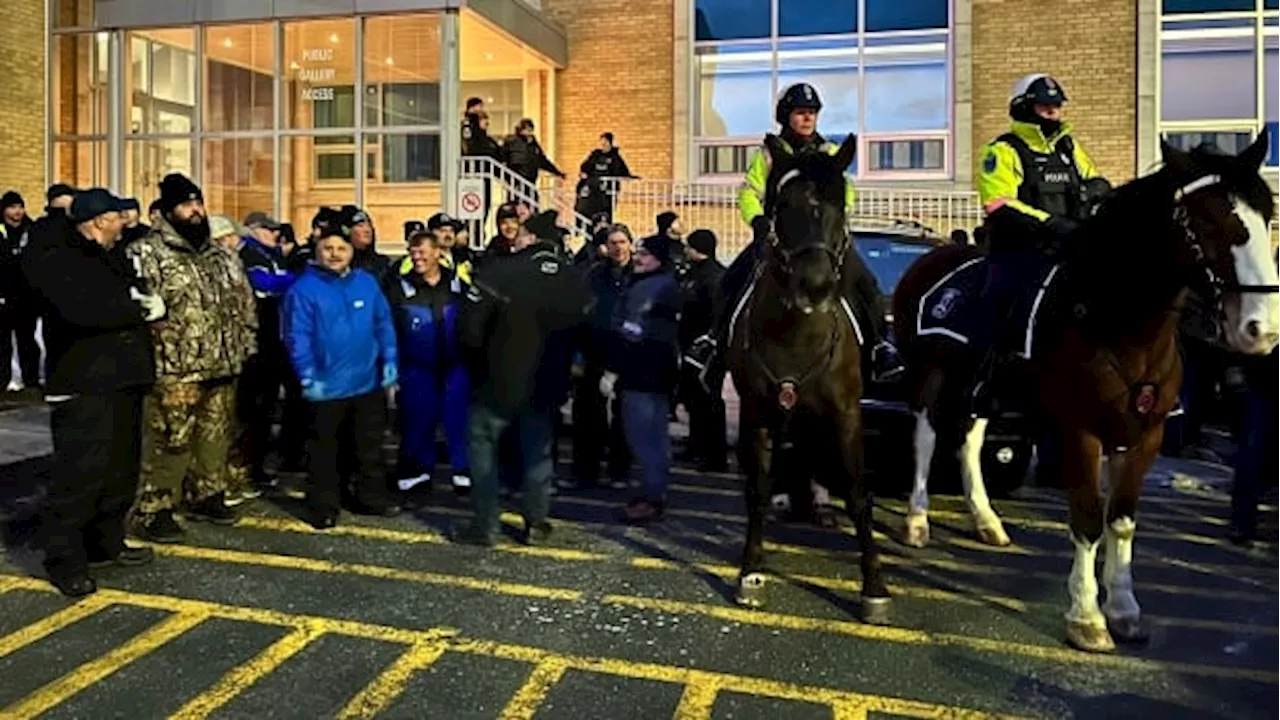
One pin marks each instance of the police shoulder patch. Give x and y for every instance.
(989, 162)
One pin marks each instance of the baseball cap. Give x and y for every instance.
(507, 211)
(262, 220)
(130, 204)
(440, 220)
(89, 204)
(58, 190)
(220, 225)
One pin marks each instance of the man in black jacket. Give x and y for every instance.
(525, 156)
(514, 327)
(100, 362)
(702, 299)
(17, 316)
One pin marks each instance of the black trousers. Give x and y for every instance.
(17, 320)
(706, 415)
(350, 429)
(97, 446)
(264, 375)
(593, 434)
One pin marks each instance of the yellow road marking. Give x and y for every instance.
(50, 624)
(524, 704)
(293, 562)
(94, 671)
(696, 702)
(384, 689)
(731, 571)
(242, 677)
(906, 636)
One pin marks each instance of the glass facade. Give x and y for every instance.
(279, 116)
(1218, 78)
(881, 67)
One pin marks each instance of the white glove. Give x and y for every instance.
(606, 384)
(152, 305)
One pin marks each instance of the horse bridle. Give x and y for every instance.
(1191, 240)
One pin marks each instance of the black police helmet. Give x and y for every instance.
(800, 95)
(1036, 89)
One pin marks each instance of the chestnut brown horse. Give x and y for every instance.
(1102, 357)
(795, 358)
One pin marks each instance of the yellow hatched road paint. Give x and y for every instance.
(384, 689)
(646, 562)
(191, 612)
(50, 624)
(57, 692)
(525, 703)
(243, 676)
(696, 702)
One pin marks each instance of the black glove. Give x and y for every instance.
(759, 228)
(1061, 227)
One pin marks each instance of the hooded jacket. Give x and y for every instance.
(338, 331)
(644, 347)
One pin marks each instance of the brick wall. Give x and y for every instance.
(22, 100)
(1090, 46)
(619, 79)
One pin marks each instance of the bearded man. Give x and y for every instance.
(200, 347)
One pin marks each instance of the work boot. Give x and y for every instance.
(213, 509)
(74, 584)
(159, 527)
(535, 533)
(886, 363)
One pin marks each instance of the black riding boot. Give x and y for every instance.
(864, 296)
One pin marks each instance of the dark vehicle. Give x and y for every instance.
(888, 425)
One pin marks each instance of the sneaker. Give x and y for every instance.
(74, 584)
(240, 497)
(886, 363)
(462, 484)
(409, 483)
(470, 535)
(159, 527)
(536, 533)
(127, 557)
(642, 510)
(213, 509)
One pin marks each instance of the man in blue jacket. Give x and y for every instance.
(342, 343)
(433, 383)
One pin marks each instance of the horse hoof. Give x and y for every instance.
(751, 589)
(993, 535)
(1130, 631)
(916, 531)
(1089, 638)
(875, 610)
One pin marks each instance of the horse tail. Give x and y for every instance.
(916, 281)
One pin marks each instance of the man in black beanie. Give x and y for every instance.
(17, 309)
(702, 299)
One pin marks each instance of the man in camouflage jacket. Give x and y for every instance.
(200, 348)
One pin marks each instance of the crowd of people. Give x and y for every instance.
(178, 344)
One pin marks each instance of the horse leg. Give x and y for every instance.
(985, 521)
(759, 458)
(1127, 472)
(916, 529)
(875, 594)
(1086, 626)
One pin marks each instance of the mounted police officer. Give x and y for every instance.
(1036, 185)
(797, 113)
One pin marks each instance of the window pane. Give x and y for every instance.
(907, 154)
(148, 161)
(817, 17)
(80, 164)
(79, 85)
(832, 68)
(72, 13)
(906, 14)
(406, 158)
(239, 68)
(731, 19)
(162, 89)
(238, 177)
(735, 91)
(906, 87)
(1227, 142)
(1201, 6)
(319, 74)
(402, 59)
(1272, 76)
(1208, 78)
(503, 100)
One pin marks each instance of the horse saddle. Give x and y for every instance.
(957, 307)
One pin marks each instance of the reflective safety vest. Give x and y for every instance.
(1034, 175)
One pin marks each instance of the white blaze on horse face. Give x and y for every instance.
(1257, 329)
(1117, 571)
(1082, 585)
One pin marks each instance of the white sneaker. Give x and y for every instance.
(461, 482)
(410, 483)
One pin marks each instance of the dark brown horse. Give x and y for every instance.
(795, 358)
(1103, 357)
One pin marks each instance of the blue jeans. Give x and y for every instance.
(1256, 458)
(644, 421)
(534, 429)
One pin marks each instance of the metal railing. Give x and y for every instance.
(506, 185)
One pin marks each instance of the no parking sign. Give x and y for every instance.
(470, 199)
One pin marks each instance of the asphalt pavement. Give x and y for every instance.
(384, 617)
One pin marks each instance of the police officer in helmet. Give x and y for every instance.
(797, 113)
(1036, 185)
